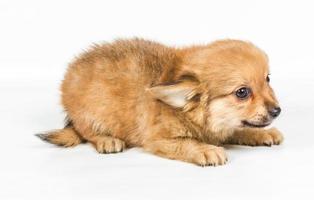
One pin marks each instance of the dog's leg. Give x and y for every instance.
(188, 150)
(102, 142)
(256, 137)
(108, 144)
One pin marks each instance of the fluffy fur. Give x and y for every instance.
(177, 103)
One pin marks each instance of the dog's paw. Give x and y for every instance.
(109, 144)
(272, 137)
(209, 155)
(263, 138)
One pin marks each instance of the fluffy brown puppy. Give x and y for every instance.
(176, 103)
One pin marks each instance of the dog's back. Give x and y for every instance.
(104, 89)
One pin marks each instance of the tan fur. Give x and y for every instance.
(256, 137)
(176, 103)
(66, 137)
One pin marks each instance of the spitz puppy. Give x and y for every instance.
(178, 103)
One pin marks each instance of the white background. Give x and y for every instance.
(39, 38)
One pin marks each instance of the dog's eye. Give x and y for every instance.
(243, 93)
(267, 78)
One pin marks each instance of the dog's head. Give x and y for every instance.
(223, 86)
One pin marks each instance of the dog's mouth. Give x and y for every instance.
(255, 125)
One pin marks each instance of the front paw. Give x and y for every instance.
(267, 137)
(272, 137)
(209, 155)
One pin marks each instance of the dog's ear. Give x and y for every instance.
(176, 94)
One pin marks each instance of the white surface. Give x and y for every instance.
(38, 39)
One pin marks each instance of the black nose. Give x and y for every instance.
(274, 112)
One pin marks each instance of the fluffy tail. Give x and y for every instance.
(66, 137)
